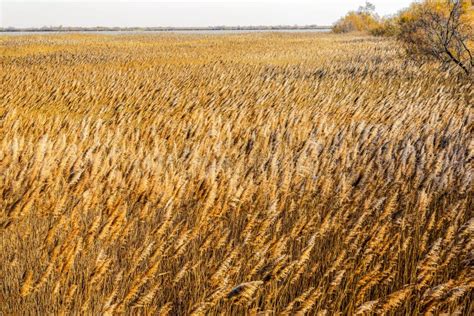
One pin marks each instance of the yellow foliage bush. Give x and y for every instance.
(416, 10)
(439, 30)
(387, 27)
(392, 26)
(356, 22)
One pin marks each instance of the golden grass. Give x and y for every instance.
(270, 174)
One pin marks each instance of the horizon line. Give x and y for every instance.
(165, 28)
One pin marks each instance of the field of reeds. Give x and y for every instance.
(253, 174)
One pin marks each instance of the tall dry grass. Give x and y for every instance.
(269, 174)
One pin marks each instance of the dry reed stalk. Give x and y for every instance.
(315, 173)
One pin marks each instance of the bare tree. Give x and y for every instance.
(442, 35)
(368, 8)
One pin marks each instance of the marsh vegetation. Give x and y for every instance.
(253, 173)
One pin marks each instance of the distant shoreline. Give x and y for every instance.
(163, 29)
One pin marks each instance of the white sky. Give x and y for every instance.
(89, 13)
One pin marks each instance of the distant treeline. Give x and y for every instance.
(161, 29)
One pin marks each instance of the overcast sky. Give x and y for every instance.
(39, 13)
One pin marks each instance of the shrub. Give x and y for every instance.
(362, 20)
(387, 27)
(441, 31)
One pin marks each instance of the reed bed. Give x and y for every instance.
(259, 174)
